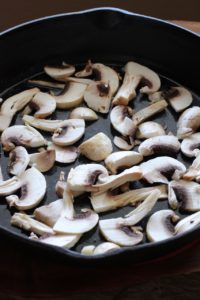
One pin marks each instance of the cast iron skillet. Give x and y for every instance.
(111, 36)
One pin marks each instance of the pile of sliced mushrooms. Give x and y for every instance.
(109, 174)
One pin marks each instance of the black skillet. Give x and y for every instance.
(110, 36)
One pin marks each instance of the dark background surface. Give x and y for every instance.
(15, 12)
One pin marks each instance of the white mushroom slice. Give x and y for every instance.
(71, 96)
(96, 148)
(42, 104)
(121, 235)
(60, 73)
(127, 90)
(44, 160)
(84, 113)
(105, 248)
(190, 146)
(88, 250)
(1, 175)
(188, 122)
(50, 213)
(124, 143)
(83, 177)
(80, 80)
(193, 173)
(45, 125)
(87, 71)
(46, 84)
(107, 75)
(33, 189)
(69, 132)
(65, 155)
(72, 223)
(122, 159)
(60, 240)
(98, 96)
(147, 78)
(106, 183)
(14, 104)
(20, 135)
(184, 194)
(188, 223)
(18, 160)
(149, 129)
(178, 97)
(108, 201)
(160, 145)
(159, 169)
(149, 111)
(10, 186)
(120, 119)
(26, 222)
(60, 185)
(160, 225)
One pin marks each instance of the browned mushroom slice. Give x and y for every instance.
(60, 73)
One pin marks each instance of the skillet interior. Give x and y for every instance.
(73, 47)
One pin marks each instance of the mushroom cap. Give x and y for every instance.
(149, 80)
(44, 160)
(69, 132)
(159, 169)
(193, 173)
(43, 124)
(120, 119)
(160, 225)
(84, 113)
(190, 146)
(96, 148)
(123, 143)
(65, 155)
(188, 122)
(60, 73)
(122, 159)
(21, 135)
(61, 240)
(149, 129)
(10, 186)
(88, 250)
(33, 188)
(160, 145)
(188, 223)
(105, 247)
(84, 176)
(18, 160)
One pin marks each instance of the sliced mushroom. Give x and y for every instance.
(184, 194)
(124, 143)
(193, 173)
(160, 225)
(60, 185)
(46, 84)
(14, 104)
(71, 96)
(18, 160)
(122, 159)
(42, 104)
(160, 145)
(108, 201)
(160, 169)
(178, 97)
(88, 250)
(84, 113)
(50, 213)
(80, 80)
(72, 223)
(44, 160)
(188, 223)
(20, 135)
(45, 125)
(26, 222)
(10, 186)
(33, 189)
(100, 249)
(147, 112)
(69, 132)
(144, 76)
(127, 90)
(87, 71)
(96, 148)
(60, 73)
(107, 75)
(64, 155)
(121, 121)
(83, 177)
(149, 129)
(190, 146)
(106, 183)
(60, 240)
(98, 96)
(188, 122)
